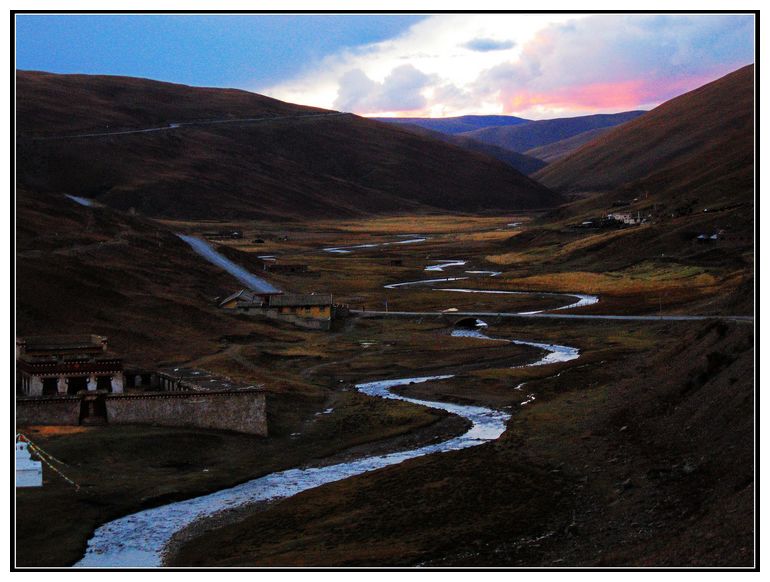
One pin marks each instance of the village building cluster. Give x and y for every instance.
(74, 380)
(626, 217)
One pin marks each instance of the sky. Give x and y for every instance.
(532, 65)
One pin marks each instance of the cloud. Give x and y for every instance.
(548, 65)
(355, 91)
(401, 90)
(619, 62)
(488, 44)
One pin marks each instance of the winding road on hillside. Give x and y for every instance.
(185, 124)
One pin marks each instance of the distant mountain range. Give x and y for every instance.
(524, 137)
(524, 144)
(281, 161)
(689, 163)
(454, 125)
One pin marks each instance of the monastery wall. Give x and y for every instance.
(239, 411)
(56, 410)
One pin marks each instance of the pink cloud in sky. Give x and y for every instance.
(604, 96)
(572, 66)
(612, 63)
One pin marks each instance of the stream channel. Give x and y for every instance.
(140, 539)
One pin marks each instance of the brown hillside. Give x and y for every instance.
(702, 137)
(559, 149)
(50, 104)
(299, 162)
(93, 270)
(524, 163)
(685, 168)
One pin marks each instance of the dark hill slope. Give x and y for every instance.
(687, 168)
(702, 138)
(534, 134)
(561, 149)
(454, 125)
(83, 270)
(295, 163)
(51, 104)
(525, 164)
(649, 468)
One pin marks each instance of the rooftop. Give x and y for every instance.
(242, 295)
(199, 379)
(59, 344)
(300, 299)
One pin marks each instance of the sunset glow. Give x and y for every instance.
(531, 65)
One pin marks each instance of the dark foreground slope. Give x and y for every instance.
(521, 138)
(605, 468)
(702, 139)
(93, 270)
(292, 162)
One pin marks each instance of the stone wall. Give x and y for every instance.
(240, 411)
(304, 322)
(55, 410)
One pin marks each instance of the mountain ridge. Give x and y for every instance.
(291, 164)
(455, 125)
(521, 138)
(696, 132)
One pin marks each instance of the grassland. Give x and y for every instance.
(595, 471)
(545, 259)
(536, 472)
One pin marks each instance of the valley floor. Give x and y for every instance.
(639, 453)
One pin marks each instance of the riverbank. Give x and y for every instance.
(313, 413)
(140, 540)
(608, 467)
(121, 470)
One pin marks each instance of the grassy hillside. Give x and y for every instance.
(559, 149)
(703, 138)
(296, 162)
(92, 270)
(50, 104)
(525, 164)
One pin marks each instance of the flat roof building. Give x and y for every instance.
(60, 365)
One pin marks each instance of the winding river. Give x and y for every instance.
(139, 540)
(408, 240)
